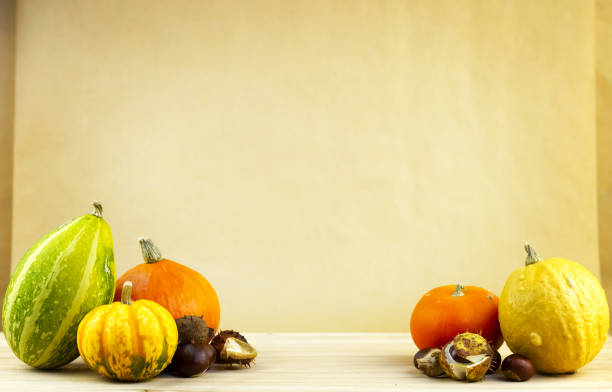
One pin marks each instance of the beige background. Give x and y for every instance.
(603, 27)
(323, 163)
(7, 81)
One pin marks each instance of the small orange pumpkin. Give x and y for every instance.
(447, 311)
(180, 289)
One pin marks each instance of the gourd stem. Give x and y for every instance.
(97, 208)
(126, 293)
(459, 290)
(150, 252)
(532, 256)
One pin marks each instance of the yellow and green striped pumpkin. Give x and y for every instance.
(128, 341)
(64, 275)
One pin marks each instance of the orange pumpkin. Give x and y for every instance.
(447, 311)
(179, 289)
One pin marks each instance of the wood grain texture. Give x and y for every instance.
(356, 362)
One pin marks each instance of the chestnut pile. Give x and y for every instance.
(469, 357)
(198, 348)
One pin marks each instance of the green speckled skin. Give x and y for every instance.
(64, 275)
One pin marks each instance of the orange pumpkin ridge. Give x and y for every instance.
(447, 311)
(178, 288)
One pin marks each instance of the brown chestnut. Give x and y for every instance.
(233, 349)
(455, 355)
(427, 361)
(517, 368)
(469, 347)
(192, 359)
(495, 361)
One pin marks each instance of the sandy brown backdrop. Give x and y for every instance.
(7, 96)
(323, 163)
(603, 36)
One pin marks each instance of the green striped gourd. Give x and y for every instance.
(63, 276)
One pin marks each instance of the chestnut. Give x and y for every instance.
(233, 349)
(517, 368)
(495, 361)
(192, 359)
(427, 361)
(456, 356)
(468, 347)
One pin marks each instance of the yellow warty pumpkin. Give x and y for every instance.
(130, 341)
(555, 313)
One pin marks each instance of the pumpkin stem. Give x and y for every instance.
(458, 290)
(126, 293)
(532, 256)
(150, 252)
(97, 208)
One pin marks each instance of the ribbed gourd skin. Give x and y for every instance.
(63, 276)
(128, 342)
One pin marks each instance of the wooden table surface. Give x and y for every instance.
(335, 362)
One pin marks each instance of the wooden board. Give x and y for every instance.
(292, 362)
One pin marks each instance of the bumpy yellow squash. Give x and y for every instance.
(128, 341)
(555, 313)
